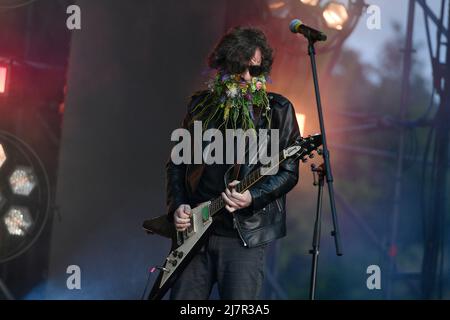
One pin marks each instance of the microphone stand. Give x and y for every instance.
(324, 172)
(320, 171)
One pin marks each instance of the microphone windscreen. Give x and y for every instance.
(293, 26)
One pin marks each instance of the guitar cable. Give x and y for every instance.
(150, 273)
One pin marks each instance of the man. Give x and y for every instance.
(234, 255)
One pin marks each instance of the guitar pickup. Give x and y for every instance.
(205, 214)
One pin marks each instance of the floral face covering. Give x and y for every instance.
(231, 101)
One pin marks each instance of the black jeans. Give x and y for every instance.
(238, 271)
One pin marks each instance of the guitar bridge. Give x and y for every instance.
(192, 228)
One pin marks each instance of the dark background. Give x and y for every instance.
(111, 93)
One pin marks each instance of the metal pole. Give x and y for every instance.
(326, 153)
(317, 229)
(434, 243)
(407, 61)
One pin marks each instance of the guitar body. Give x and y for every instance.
(184, 245)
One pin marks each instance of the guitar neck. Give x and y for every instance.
(218, 203)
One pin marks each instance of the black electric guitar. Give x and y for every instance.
(185, 244)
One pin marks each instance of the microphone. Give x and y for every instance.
(296, 26)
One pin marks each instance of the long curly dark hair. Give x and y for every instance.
(236, 48)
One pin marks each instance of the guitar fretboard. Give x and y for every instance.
(218, 203)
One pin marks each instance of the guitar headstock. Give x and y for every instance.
(303, 147)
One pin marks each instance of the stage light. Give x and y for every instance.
(2, 155)
(335, 15)
(25, 196)
(310, 2)
(18, 221)
(22, 181)
(276, 5)
(3, 79)
(279, 9)
(301, 118)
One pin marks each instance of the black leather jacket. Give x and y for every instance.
(265, 219)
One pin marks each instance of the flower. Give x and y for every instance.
(236, 77)
(211, 85)
(234, 98)
(232, 92)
